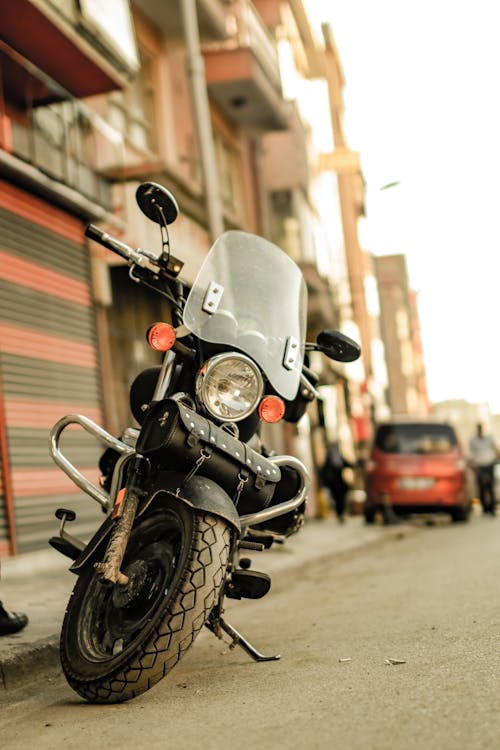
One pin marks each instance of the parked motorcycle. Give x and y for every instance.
(193, 487)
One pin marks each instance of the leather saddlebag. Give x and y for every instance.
(178, 438)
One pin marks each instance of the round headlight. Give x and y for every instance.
(229, 386)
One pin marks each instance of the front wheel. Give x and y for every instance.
(119, 641)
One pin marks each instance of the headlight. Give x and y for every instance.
(229, 386)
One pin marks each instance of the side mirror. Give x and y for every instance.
(157, 203)
(337, 346)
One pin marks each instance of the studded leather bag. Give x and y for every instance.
(177, 437)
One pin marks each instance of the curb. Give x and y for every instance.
(21, 668)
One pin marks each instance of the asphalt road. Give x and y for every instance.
(428, 600)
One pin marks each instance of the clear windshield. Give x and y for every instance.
(250, 295)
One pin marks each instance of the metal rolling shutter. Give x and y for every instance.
(48, 365)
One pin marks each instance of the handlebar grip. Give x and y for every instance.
(105, 239)
(94, 232)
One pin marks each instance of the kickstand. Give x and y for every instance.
(217, 624)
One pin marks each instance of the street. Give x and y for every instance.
(426, 597)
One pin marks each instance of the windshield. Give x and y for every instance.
(251, 296)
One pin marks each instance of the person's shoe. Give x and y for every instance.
(12, 622)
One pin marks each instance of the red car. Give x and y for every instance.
(416, 467)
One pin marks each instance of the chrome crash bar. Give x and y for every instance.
(126, 451)
(252, 519)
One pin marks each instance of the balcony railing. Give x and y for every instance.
(166, 15)
(243, 73)
(252, 34)
(44, 126)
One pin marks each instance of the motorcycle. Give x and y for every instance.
(193, 487)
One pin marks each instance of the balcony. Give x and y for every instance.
(166, 16)
(243, 74)
(49, 137)
(307, 52)
(67, 46)
(285, 157)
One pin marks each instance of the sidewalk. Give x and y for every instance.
(40, 584)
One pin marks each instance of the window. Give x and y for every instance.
(229, 170)
(415, 438)
(133, 111)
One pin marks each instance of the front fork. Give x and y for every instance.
(108, 571)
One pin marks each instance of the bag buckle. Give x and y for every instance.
(243, 479)
(205, 455)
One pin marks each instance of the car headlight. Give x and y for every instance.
(229, 386)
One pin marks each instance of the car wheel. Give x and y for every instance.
(460, 515)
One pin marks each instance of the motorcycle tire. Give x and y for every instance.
(119, 641)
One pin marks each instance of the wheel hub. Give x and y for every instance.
(139, 577)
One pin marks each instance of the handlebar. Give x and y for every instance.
(103, 238)
(137, 257)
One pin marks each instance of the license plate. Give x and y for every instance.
(416, 483)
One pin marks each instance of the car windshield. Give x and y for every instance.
(415, 438)
(251, 296)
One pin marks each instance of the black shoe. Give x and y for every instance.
(12, 622)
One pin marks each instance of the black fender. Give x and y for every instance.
(199, 493)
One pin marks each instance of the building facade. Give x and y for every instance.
(50, 187)
(400, 327)
(189, 94)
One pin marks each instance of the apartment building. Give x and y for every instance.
(92, 102)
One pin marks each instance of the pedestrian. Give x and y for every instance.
(11, 622)
(332, 476)
(483, 455)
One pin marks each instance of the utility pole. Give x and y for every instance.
(201, 110)
(346, 164)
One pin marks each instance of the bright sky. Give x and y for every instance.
(422, 106)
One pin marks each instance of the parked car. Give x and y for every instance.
(416, 466)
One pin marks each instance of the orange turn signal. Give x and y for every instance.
(271, 409)
(161, 337)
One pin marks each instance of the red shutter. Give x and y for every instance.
(48, 367)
